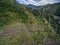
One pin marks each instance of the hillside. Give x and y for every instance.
(51, 11)
(23, 25)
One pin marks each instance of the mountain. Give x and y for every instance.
(48, 8)
(23, 25)
(53, 10)
(32, 6)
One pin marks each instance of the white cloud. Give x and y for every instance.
(41, 2)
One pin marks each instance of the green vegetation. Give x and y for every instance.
(23, 25)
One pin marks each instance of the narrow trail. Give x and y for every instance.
(11, 31)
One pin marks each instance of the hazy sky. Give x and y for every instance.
(38, 2)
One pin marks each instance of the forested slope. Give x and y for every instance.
(22, 25)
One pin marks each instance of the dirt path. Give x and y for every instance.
(11, 31)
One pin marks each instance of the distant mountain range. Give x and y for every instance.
(33, 6)
(46, 6)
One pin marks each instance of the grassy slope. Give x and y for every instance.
(22, 27)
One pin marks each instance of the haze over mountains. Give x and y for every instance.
(28, 24)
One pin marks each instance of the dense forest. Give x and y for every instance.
(29, 25)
